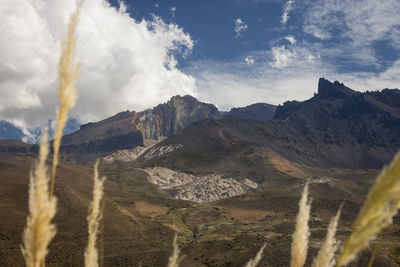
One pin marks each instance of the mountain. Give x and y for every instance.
(258, 111)
(9, 131)
(241, 180)
(15, 147)
(338, 127)
(127, 130)
(168, 119)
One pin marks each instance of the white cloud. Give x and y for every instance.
(291, 39)
(122, 6)
(363, 22)
(156, 5)
(173, 9)
(281, 56)
(286, 10)
(240, 27)
(236, 84)
(127, 64)
(249, 60)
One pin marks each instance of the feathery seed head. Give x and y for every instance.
(39, 230)
(301, 234)
(382, 203)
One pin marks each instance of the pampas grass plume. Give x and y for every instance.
(302, 232)
(67, 74)
(91, 254)
(174, 259)
(39, 230)
(381, 205)
(257, 258)
(325, 257)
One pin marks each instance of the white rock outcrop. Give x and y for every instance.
(125, 154)
(200, 189)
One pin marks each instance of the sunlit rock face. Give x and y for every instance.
(200, 189)
(169, 118)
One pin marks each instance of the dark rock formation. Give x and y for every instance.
(258, 112)
(15, 147)
(338, 127)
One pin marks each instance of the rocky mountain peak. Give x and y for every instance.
(167, 119)
(327, 89)
(258, 111)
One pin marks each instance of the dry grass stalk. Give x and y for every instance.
(302, 232)
(68, 73)
(91, 254)
(39, 230)
(381, 205)
(257, 258)
(325, 257)
(175, 259)
(102, 230)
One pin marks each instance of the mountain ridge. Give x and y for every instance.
(338, 127)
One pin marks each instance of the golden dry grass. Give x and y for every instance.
(174, 259)
(379, 208)
(254, 262)
(39, 230)
(42, 205)
(302, 232)
(326, 255)
(67, 74)
(91, 253)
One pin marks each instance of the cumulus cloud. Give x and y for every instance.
(249, 60)
(286, 10)
(240, 27)
(127, 64)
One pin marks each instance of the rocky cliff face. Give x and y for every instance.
(127, 130)
(169, 118)
(346, 126)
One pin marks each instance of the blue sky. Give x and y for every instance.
(139, 53)
(211, 24)
(348, 40)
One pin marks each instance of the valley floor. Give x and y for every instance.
(140, 219)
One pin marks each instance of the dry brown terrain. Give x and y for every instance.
(140, 219)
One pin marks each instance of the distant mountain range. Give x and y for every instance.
(337, 127)
(129, 129)
(249, 165)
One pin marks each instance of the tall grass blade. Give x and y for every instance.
(67, 75)
(91, 254)
(371, 260)
(257, 258)
(39, 230)
(174, 259)
(379, 208)
(102, 230)
(302, 232)
(325, 257)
